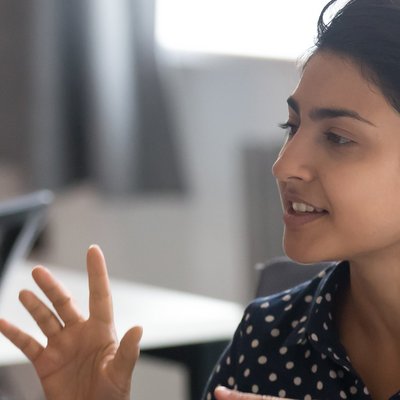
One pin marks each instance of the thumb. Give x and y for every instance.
(127, 355)
(223, 393)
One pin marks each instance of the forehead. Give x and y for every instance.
(329, 80)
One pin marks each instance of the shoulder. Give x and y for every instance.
(298, 297)
(279, 314)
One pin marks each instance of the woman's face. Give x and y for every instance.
(339, 169)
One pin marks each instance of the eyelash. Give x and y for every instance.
(290, 129)
(332, 137)
(338, 139)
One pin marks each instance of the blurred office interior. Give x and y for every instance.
(155, 124)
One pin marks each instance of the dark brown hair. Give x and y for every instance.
(368, 33)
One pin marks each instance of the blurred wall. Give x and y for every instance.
(198, 243)
(225, 104)
(14, 77)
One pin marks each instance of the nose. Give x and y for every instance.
(296, 160)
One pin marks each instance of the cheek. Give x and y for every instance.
(359, 202)
(367, 210)
(369, 187)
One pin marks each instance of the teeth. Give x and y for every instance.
(301, 207)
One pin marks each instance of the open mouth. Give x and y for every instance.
(303, 208)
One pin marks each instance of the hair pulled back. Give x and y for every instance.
(368, 33)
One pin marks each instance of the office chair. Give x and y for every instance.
(281, 273)
(21, 220)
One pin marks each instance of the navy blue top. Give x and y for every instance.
(287, 346)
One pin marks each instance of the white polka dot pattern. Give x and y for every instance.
(286, 346)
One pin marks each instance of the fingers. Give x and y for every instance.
(223, 393)
(29, 346)
(127, 355)
(100, 302)
(57, 294)
(44, 317)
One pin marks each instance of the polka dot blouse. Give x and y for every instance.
(286, 345)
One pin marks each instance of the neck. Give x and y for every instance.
(369, 323)
(374, 295)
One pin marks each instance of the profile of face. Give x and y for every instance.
(339, 170)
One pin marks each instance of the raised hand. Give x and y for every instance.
(83, 359)
(223, 393)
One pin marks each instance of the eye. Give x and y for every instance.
(337, 139)
(290, 128)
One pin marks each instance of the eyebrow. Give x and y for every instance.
(326, 113)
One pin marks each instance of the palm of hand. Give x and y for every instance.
(81, 354)
(82, 359)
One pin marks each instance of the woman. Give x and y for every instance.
(335, 337)
(339, 178)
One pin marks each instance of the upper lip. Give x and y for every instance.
(290, 197)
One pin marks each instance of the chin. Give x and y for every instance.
(308, 256)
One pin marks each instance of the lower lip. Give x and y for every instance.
(294, 220)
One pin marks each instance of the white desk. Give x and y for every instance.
(177, 325)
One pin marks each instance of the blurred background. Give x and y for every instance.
(155, 124)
